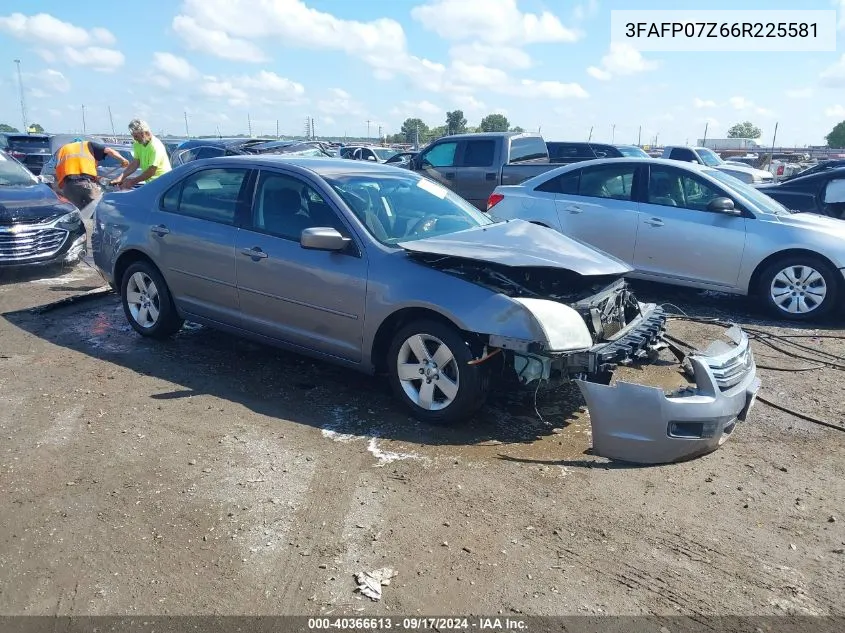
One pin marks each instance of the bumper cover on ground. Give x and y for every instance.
(643, 424)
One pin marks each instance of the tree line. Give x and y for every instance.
(456, 123)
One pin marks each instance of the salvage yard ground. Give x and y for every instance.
(212, 475)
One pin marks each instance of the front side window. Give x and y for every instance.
(607, 181)
(674, 188)
(285, 206)
(212, 194)
(441, 155)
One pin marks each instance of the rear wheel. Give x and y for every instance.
(147, 302)
(799, 288)
(430, 374)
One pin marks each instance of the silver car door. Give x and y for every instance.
(192, 240)
(679, 239)
(602, 211)
(307, 298)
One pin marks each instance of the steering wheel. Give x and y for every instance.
(424, 225)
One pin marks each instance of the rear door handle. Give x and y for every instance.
(654, 222)
(160, 230)
(254, 252)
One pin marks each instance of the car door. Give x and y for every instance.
(307, 298)
(679, 239)
(476, 177)
(192, 240)
(597, 205)
(439, 162)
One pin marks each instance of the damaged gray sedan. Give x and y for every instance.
(380, 270)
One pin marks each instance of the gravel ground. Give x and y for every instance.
(211, 475)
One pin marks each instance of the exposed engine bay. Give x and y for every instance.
(604, 301)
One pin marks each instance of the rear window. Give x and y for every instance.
(528, 148)
(25, 143)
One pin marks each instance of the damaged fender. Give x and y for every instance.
(643, 424)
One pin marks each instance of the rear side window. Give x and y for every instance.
(607, 181)
(210, 194)
(479, 153)
(680, 153)
(528, 148)
(564, 183)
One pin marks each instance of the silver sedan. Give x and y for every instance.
(690, 225)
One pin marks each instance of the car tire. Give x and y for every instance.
(442, 388)
(147, 302)
(799, 288)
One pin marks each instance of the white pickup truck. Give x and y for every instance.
(704, 156)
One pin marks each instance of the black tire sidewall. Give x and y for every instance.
(473, 380)
(831, 277)
(168, 320)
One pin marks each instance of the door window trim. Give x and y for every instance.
(240, 201)
(636, 178)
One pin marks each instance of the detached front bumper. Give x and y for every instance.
(643, 424)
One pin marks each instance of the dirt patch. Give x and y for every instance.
(211, 475)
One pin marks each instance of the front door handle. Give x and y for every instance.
(160, 230)
(654, 222)
(255, 252)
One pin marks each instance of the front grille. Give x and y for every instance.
(730, 370)
(22, 245)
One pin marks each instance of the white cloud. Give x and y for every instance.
(834, 76)
(585, 11)
(800, 93)
(173, 66)
(531, 89)
(340, 102)
(468, 103)
(741, 103)
(266, 87)
(835, 111)
(101, 59)
(703, 103)
(103, 36)
(421, 109)
(47, 55)
(215, 42)
(53, 80)
(621, 59)
(500, 56)
(499, 22)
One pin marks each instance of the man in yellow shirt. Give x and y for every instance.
(150, 155)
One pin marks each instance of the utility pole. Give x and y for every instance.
(249, 124)
(379, 133)
(590, 137)
(368, 129)
(23, 101)
(640, 137)
(277, 129)
(219, 135)
(111, 120)
(83, 118)
(612, 133)
(774, 138)
(313, 130)
(706, 125)
(187, 132)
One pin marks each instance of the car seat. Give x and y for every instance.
(660, 192)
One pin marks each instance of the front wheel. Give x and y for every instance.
(430, 374)
(147, 302)
(799, 288)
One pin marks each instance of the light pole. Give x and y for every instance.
(23, 101)
(612, 133)
(83, 118)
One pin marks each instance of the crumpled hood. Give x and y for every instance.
(26, 203)
(521, 243)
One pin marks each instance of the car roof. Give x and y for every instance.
(324, 167)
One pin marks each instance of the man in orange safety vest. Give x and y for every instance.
(76, 170)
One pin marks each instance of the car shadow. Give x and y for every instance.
(199, 361)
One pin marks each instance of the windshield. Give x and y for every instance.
(633, 152)
(709, 158)
(28, 143)
(384, 154)
(399, 208)
(761, 201)
(13, 174)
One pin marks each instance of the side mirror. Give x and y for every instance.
(323, 238)
(723, 205)
(371, 157)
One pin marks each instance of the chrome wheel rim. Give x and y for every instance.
(428, 372)
(798, 289)
(143, 300)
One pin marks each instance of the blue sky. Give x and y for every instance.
(546, 65)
